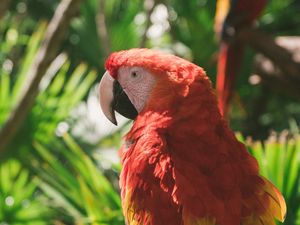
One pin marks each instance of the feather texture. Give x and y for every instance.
(182, 165)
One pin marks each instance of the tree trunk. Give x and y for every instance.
(55, 33)
(4, 5)
(272, 74)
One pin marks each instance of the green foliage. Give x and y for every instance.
(20, 202)
(84, 40)
(193, 26)
(279, 160)
(264, 109)
(274, 19)
(57, 181)
(77, 188)
(61, 90)
(191, 35)
(69, 178)
(10, 80)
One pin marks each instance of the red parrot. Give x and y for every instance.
(182, 165)
(231, 16)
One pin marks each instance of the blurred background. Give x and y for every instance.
(58, 154)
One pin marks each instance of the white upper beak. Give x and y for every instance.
(107, 97)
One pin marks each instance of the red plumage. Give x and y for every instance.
(240, 14)
(181, 163)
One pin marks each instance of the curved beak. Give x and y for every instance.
(107, 97)
(113, 98)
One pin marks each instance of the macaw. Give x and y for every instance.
(231, 16)
(182, 165)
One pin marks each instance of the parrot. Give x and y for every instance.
(181, 163)
(231, 17)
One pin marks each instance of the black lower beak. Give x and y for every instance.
(121, 102)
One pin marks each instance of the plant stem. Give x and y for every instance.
(102, 29)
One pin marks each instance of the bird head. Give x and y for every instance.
(139, 80)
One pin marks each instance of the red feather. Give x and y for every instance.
(181, 162)
(241, 13)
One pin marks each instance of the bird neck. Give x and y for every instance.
(192, 116)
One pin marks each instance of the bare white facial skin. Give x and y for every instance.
(137, 83)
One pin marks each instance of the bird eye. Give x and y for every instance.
(135, 75)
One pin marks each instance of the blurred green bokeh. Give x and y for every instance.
(62, 166)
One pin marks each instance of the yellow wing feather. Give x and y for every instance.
(189, 219)
(277, 206)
